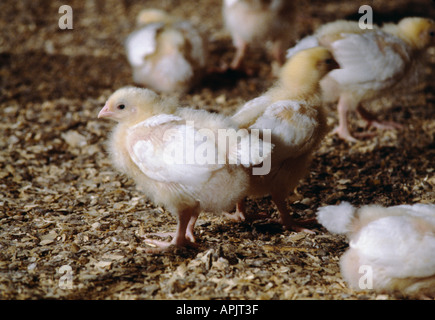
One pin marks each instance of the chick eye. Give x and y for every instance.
(432, 33)
(329, 61)
(121, 106)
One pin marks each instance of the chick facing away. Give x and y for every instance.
(254, 22)
(390, 248)
(166, 55)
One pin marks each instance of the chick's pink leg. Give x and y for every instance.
(241, 47)
(342, 130)
(190, 226)
(242, 215)
(181, 235)
(286, 220)
(278, 52)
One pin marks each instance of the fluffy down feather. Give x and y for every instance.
(292, 111)
(166, 55)
(157, 144)
(371, 61)
(395, 243)
(253, 22)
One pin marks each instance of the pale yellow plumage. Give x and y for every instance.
(165, 54)
(151, 145)
(254, 22)
(292, 110)
(372, 61)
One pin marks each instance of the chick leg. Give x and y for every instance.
(342, 130)
(286, 220)
(182, 238)
(189, 230)
(190, 226)
(278, 52)
(242, 215)
(241, 47)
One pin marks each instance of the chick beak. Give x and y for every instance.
(105, 112)
(334, 65)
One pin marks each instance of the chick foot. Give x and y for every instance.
(385, 125)
(344, 134)
(298, 226)
(162, 246)
(287, 222)
(372, 120)
(241, 215)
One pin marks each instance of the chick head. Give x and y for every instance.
(147, 16)
(418, 32)
(306, 68)
(131, 105)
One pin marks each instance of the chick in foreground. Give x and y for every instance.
(253, 22)
(292, 110)
(392, 247)
(166, 55)
(372, 61)
(174, 156)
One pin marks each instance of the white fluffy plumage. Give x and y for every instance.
(162, 147)
(254, 22)
(165, 54)
(371, 61)
(396, 244)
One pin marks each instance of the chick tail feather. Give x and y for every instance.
(337, 219)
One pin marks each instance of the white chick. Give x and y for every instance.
(372, 62)
(161, 146)
(390, 249)
(166, 55)
(253, 22)
(292, 110)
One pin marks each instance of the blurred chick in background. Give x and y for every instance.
(150, 144)
(372, 61)
(166, 55)
(254, 22)
(390, 249)
(292, 110)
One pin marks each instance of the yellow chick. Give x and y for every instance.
(166, 55)
(292, 110)
(390, 249)
(253, 22)
(176, 157)
(372, 61)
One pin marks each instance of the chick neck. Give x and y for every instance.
(147, 111)
(137, 118)
(409, 31)
(295, 84)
